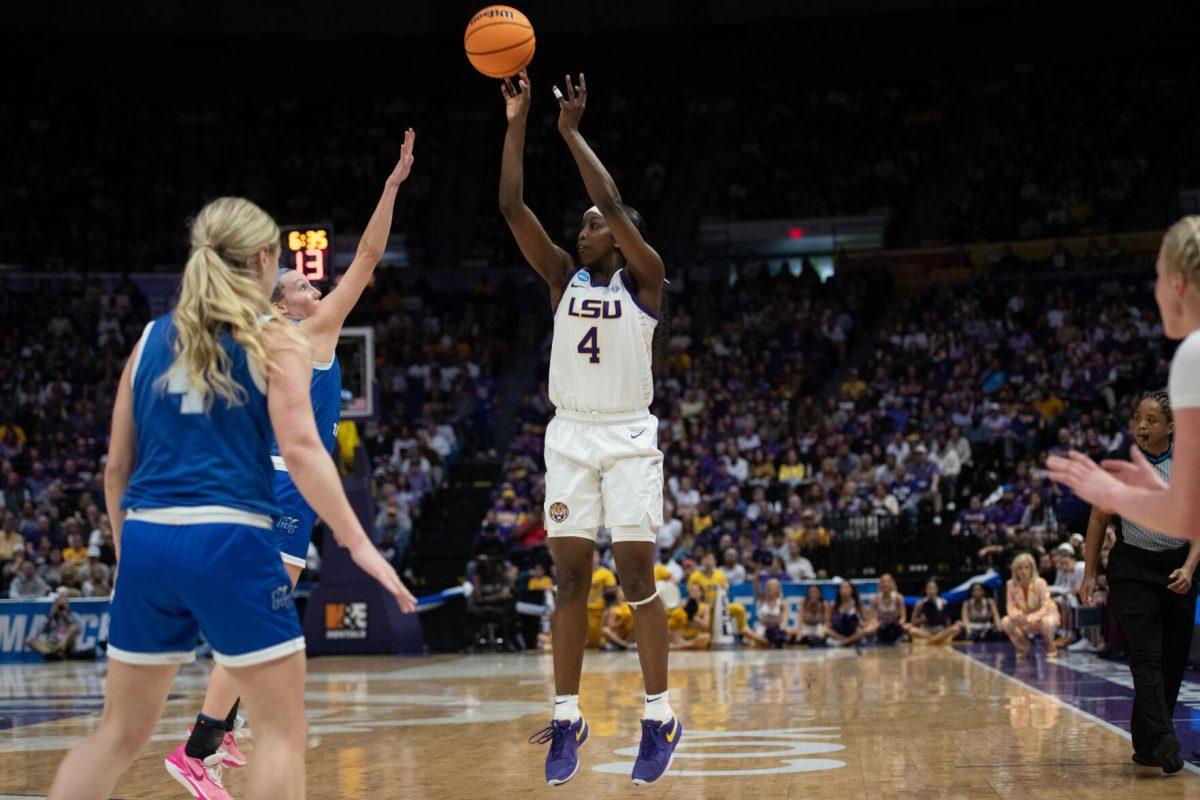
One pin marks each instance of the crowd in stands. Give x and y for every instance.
(60, 358)
(438, 356)
(1030, 178)
(793, 152)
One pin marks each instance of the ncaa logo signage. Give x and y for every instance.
(559, 512)
(19, 619)
(345, 620)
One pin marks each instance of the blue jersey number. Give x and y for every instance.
(589, 345)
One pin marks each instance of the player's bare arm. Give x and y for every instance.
(312, 469)
(324, 326)
(641, 260)
(551, 262)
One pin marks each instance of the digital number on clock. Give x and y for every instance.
(310, 250)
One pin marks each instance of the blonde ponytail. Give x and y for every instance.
(1181, 246)
(219, 292)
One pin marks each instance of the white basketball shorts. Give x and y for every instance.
(604, 469)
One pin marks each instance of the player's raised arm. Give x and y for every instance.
(332, 312)
(309, 463)
(551, 262)
(640, 258)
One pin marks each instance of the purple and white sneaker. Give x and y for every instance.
(565, 738)
(659, 740)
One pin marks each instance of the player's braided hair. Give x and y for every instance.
(658, 346)
(1161, 397)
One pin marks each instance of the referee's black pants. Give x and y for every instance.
(1157, 624)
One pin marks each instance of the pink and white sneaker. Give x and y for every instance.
(233, 756)
(201, 778)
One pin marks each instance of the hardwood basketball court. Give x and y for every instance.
(909, 722)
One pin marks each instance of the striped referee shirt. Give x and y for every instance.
(1137, 536)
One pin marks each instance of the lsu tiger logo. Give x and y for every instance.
(559, 512)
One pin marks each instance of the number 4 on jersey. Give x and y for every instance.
(589, 345)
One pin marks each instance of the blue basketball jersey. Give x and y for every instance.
(189, 457)
(326, 393)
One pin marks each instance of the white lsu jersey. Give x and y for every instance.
(600, 356)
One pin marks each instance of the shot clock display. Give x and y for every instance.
(309, 248)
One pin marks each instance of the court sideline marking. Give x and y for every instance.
(1102, 722)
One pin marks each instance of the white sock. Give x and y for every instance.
(566, 706)
(658, 707)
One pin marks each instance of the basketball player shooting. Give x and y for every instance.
(603, 465)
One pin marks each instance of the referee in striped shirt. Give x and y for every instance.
(1151, 590)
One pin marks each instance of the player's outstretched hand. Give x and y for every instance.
(570, 107)
(374, 564)
(1085, 477)
(404, 165)
(516, 98)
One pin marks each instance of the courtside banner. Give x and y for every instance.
(20, 618)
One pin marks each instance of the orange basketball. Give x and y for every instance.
(499, 41)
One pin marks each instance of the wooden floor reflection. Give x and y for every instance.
(900, 723)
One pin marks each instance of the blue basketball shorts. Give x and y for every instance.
(221, 578)
(293, 528)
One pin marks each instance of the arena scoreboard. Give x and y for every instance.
(309, 248)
